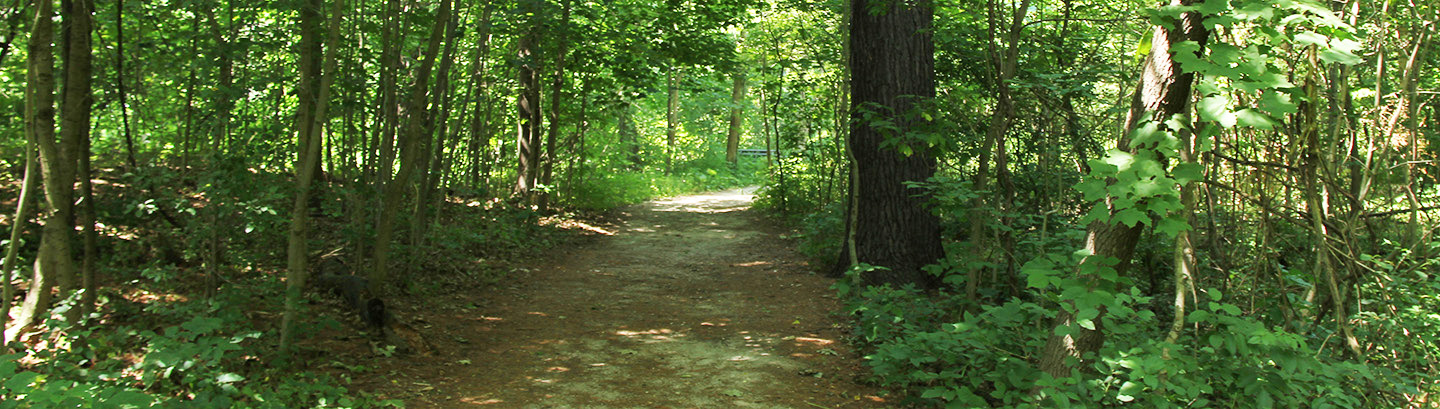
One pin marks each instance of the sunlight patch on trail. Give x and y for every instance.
(725, 201)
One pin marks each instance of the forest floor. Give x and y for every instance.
(688, 302)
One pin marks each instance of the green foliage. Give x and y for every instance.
(611, 190)
(207, 360)
(821, 233)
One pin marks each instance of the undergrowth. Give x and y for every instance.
(174, 331)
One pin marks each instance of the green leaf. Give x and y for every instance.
(1131, 217)
(1214, 294)
(1198, 316)
(1334, 55)
(21, 382)
(229, 378)
(1128, 390)
(1309, 38)
(1216, 108)
(1278, 103)
(1254, 119)
(1188, 172)
(1091, 190)
(1171, 226)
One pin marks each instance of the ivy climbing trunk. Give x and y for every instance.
(892, 75)
(1163, 91)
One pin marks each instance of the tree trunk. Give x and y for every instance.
(23, 211)
(528, 106)
(434, 140)
(120, 82)
(557, 89)
(52, 260)
(732, 139)
(1163, 91)
(629, 135)
(314, 93)
(672, 107)
(1001, 117)
(892, 66)
(480, 121)
(409, 152)
(389, 91)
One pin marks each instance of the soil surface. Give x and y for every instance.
(688, 302)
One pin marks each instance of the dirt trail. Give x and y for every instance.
(689, 302)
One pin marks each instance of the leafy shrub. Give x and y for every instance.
(205, 361)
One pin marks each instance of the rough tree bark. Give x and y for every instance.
(893, 73)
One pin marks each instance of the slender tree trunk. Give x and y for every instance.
(23, 211)
(1164, 90)
(120, 83)
(528, 105)
(629, 136)
(672, 107)
(435, 130)
(314, 91)
(577, 143)
(389, 90)
(409, 153)
(892, 66)
(40, 125)
(479, 121)
(557, 90)
(732, 139)
(1001, 118)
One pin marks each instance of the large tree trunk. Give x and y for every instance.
(314, 92)
(1163, 91)
(409, 153)
(732, 139)
(893, 67)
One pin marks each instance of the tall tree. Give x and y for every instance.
(1163, 91)
(74, 136)
(892, 77)
(415, 109)
(314, 91)
(557, 88)
(53, 259)
(527, 105)
(732, 138)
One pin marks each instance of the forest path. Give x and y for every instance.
(687, 302)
